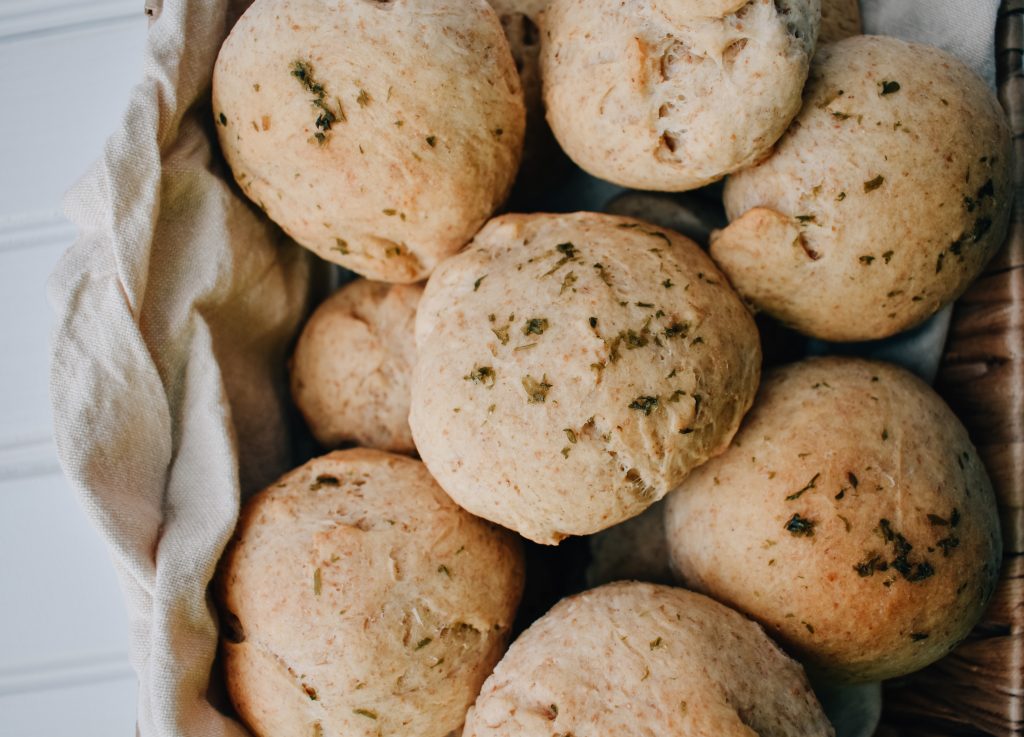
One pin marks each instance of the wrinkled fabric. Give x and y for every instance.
(176, 307)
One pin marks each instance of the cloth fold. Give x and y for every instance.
(175, 309)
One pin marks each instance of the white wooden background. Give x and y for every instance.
(66, 67)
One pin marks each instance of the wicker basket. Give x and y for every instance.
(979, 688)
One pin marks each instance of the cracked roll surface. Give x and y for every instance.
(673, 94)
(641, 659)
(357, 599)
(851, 517)
(380, 135)
(353, 363)
(572, 369)
(884, 200)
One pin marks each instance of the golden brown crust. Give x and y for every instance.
(572, 369)
(353, 363)
(851, 516)
(379, 135)
(883, 201)
(640, 659)
(356, 596)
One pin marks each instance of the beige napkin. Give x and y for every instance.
(176, 307)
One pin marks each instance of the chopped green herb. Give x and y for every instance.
(317, 582)
(605, 277)
(432, 141)
(482, 375)
(476, 284)
(502, 334)
(667, 284)
(571, 434)
(854, 481)
(981, 227)
(901, 562)
(634, 339)
(807, 487)
(536, 391)
(444, 569)
(889, 88)
(872, 184)
(918, 636)
(867, 260)
(841, 197)
(593, 322)
(645, 404)
(535, 326)
(946, 545)
(567, 282)
(804, 219)
(567, 251)
(424, 642)
(365, 713)
(363, 99)
(645, 305)
(565, 451)
(677, 330)
(874, 562)
(800, 526)
(656, 643)
(887, 256)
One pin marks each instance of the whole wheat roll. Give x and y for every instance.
(851, 516)
(380, 135)
(572, 369)
(358, 600)
(640, 659)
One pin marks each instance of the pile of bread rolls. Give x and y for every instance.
(497, 376)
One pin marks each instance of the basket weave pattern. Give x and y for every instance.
(979, 688)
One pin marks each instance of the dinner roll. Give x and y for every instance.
(352, 365)
(641, 659)
(358, 600)
(671, 95)
(885, 199)
(839, 19)
(380, 135)
(851, 516)
(572, 369)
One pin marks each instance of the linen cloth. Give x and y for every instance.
(176, 307)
